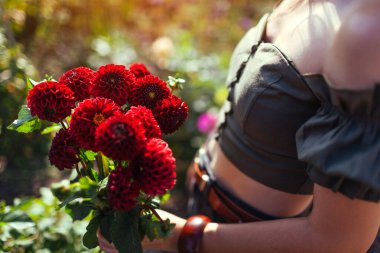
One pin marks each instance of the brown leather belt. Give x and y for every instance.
(224, 207)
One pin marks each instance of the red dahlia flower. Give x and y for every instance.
(148, 90)
(155, 167)
(120, 138)
(79, 80)
(89, 114)
(143, 114)
(170, 114)
(139, 70)
(122, 190)
(114, 82)
(51, 101)
(64, 150)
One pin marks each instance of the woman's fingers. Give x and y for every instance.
(105, 245)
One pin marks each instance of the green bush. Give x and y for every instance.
(36, 225)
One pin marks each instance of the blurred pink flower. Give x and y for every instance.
(206, 122)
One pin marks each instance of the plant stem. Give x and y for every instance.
(158, 216)
(83, 155)
(99, 161)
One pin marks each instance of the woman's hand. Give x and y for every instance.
(169, 244)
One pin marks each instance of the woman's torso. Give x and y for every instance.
(302, 37)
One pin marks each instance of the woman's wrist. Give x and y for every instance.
(190, 238)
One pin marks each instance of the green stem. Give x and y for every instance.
(83, 164)
(83, 155)
(158, 216)
(99, 160)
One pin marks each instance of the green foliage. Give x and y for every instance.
(154, 228)
(124, 231)
(52, 129)
(90, 239)
(30, 83)
(36, 225)
(25, 123)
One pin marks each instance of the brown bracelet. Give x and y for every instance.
(191, 234)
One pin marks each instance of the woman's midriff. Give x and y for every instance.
(259, 196)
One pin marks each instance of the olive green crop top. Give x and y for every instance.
(289, 131)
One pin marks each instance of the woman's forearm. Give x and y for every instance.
(336, 224)
(287, 235)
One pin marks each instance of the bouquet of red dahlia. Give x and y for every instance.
(110, 124)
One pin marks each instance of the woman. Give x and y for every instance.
(298, 143)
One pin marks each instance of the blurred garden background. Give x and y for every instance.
(191, 39)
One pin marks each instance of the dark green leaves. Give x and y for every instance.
(15, 216)
(154, 228)
(90, 240)
(25, 123)
(125, 232)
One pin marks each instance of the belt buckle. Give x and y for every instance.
(204, 184)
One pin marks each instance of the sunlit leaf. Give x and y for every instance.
(25, 123)
(90, 155)
(31, 83)
(51, 129)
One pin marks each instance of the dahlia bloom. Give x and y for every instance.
(148, 90)
(79, 80)
(143, 114)
(114, 82)
(64, 150)
(122, 189)
(139, 70)
(120, 138)
(155, 168)
(86, 118)
(51, 101)
(170, 114)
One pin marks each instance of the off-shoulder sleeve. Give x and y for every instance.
(341, 143)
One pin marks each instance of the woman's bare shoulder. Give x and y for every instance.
(353, 60)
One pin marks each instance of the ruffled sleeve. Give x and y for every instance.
(341, 143)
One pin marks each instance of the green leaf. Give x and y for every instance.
(90, 240)
(165, 197)
(68, 200)
(51, 129)
(90, 155)
(25, 123)
(103, 183)
(105, 226)
(154, 228)
(61, 190)
(93, 174)
(125, 232)
(79, 209)
(31, 83)
(15, 216)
